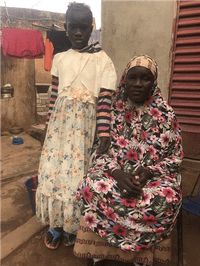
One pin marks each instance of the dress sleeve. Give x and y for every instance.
(108, 160)
(53, 96)
(109, 76)
(103, 113)
(54, 68)
(170, 163)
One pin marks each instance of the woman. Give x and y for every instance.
(131, 195)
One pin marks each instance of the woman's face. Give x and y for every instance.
(139, 81)
(79, 28)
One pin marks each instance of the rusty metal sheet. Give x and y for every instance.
(186, 95)
(184, 91)
(189, 21)
(191, 121)
(193, 12)
(193, 40)
(190, 112)
(185, 86)
(187, 68)
(187, 59)
(188, 50)
(185, 103)
(184, 77)
(189, 3)
(188, 31)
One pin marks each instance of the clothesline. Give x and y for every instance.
(35, 20)
(53, 27)
(11, 18)
(46, 28)
(28, 19)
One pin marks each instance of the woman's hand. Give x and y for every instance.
(127, 184)
(104, 145)
(142, 175)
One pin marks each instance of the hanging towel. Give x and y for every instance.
(56, 42)
(22, 43)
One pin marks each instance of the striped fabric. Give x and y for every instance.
(53, 97)
(103, 113)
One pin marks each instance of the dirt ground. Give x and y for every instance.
(21, 162)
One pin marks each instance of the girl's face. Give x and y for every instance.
(139, 81)
(79, 28)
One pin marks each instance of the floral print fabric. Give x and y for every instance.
(64, 162)
(145, 135)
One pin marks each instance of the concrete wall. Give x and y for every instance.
(43, 103)
(42, 76)
(19, 110)
(132, 28)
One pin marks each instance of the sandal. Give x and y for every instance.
(69, 239)
(56, 236)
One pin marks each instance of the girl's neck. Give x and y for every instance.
(78, 50)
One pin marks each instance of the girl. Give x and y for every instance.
(83, 80)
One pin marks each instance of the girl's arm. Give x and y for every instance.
(103, 119)
(103, 113)
(53, 97)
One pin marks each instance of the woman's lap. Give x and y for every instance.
(131, 224)
(91, 245)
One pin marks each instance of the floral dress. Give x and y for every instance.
(145, 135)
(70, 133)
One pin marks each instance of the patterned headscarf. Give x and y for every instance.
(144, 61)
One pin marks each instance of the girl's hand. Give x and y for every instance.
(104, 145)
(142, 175)
(127, 184)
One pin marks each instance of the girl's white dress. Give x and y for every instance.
(70, 134)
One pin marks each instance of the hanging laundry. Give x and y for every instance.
(22, 43)
(56, 42)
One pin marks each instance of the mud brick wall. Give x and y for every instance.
(43, 103)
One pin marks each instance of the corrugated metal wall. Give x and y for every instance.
(184, 94)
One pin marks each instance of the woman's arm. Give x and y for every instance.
(170, 163)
